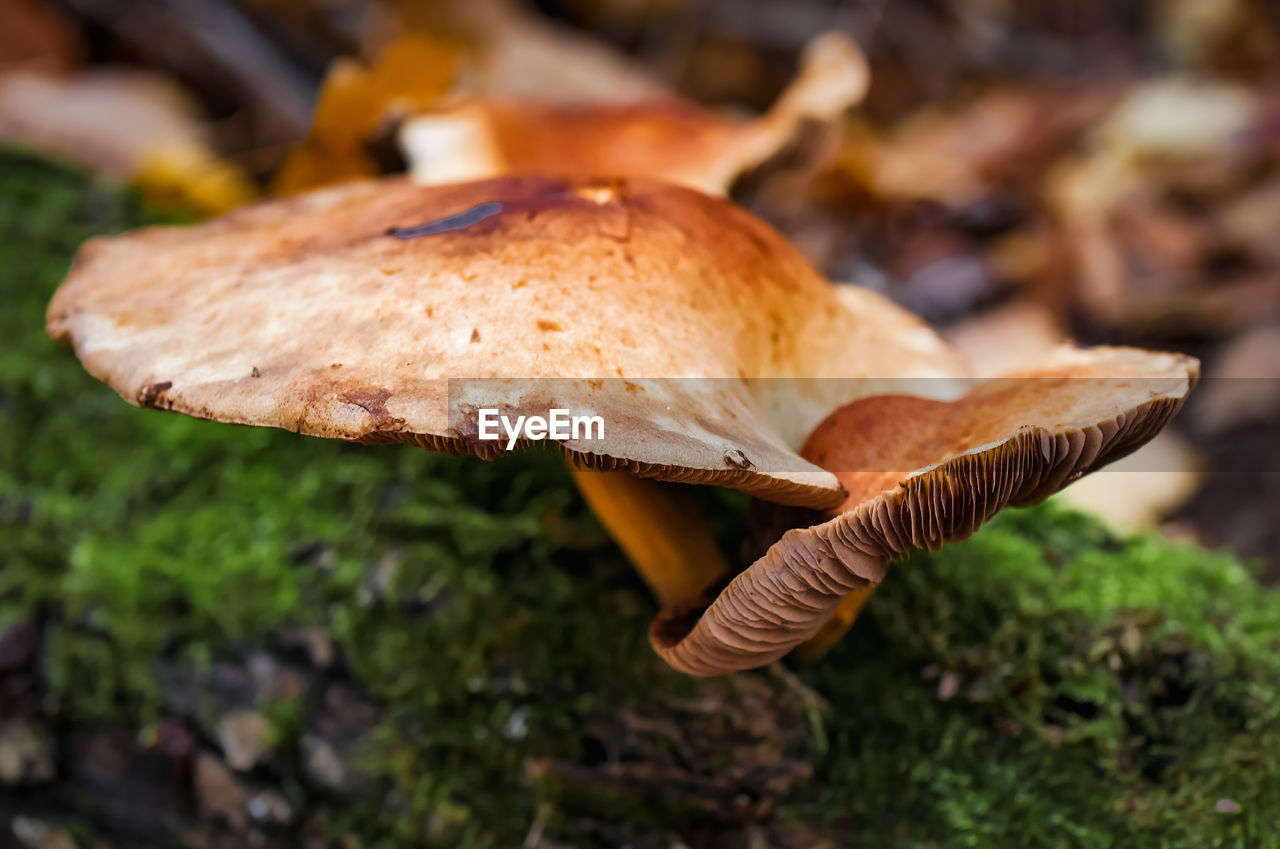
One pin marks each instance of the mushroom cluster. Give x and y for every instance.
(392, 311)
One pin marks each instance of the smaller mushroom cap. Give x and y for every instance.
(919, 472)
(673, 139)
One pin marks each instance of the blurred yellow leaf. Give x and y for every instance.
(356, 102)
(186, 176)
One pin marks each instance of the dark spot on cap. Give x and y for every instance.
(374, 402)
(153, 395)
(255, 372)
(548, 326)
(461, 221)
(734, 457)
(335, 365)
(475, 335)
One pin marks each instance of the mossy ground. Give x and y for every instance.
(1046, 683)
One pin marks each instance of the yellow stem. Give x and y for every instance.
(660, 529)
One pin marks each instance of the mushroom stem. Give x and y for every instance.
(835, 627)
(659, 528)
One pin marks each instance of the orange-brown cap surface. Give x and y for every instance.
(385, 311)
(674, 140)
(919, 472)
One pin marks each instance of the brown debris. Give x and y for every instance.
(732, 748)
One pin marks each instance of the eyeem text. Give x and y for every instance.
(559, 425)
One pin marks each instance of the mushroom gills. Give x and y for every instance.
(920, 472)
(837, 626)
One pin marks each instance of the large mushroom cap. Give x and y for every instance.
(385, 311)
(919, 472)
(672, 139)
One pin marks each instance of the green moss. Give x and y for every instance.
(1107, 691)
(1104, 689)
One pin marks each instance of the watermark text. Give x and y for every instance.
(559, 424)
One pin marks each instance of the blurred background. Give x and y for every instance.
(1019, 173)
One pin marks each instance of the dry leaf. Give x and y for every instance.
(35, 35)
(1006, 338)
(1139, 207)
(952, 155)
(1136, 492)
(1243, 385)
(356, 103)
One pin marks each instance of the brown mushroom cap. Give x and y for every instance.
(673, 139)
(919, 472)
(346, 313)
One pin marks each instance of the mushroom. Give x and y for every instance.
(385, 311)
(672, 139)
(919, 472)
(634, 135)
